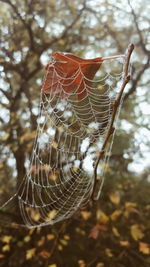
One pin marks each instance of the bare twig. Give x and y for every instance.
(126, 78)
(138, 29)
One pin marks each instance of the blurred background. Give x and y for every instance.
(115, 231)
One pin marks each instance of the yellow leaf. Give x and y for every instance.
(130, 204)
(144, 248)
(6, 248)
(80, 231)
(81, 263)
(86, 215)
(54, 144)
(30, 253)
(102, 217)
(50, 237)
(2, 256)
(130, 208)
(60, 247)
(115, 198)
(114, 216)
(136, 232)
(100, 264)
(124, 243)
(5, 137)
(27, 136)
(27, 238)
(1, 165)
(66, 237)
(61, 42)
(52, 265)
(115, 231)
(41, 241)
(6, 239)
(63, 242)
(108, 252)
(35, 215)
(51, 215)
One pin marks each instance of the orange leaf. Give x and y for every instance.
(94, 232)
(65, 66)
(44, 254)
(96, 229)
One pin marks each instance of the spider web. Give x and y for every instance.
(71, 128)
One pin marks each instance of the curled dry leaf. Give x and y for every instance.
(65, 66)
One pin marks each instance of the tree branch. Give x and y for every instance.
(126, 78)
(27, 26)
(138, 77)
(138, 30)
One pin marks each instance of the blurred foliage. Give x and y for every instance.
(114, 232)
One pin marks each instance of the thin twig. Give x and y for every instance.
(116, 104)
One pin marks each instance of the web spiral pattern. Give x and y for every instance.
(72, 125)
